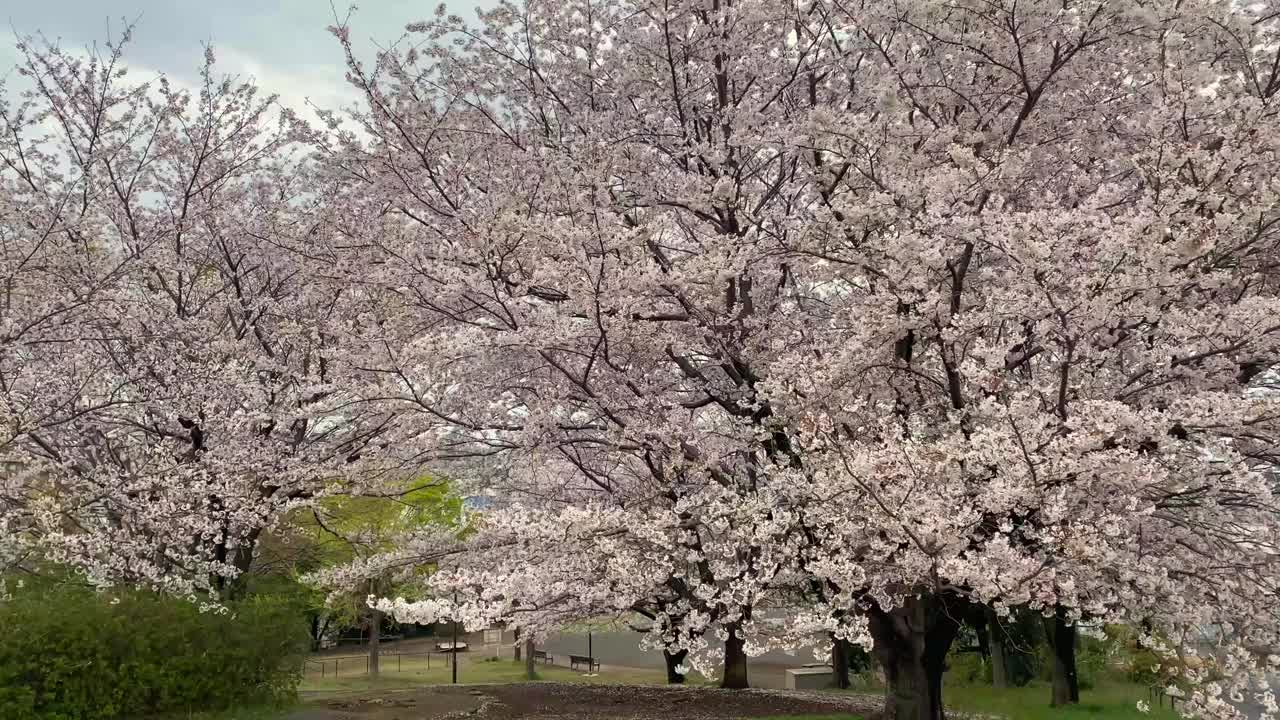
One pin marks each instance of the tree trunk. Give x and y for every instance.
(241, 560)
(315, 632)
(911, 643)
(1062, 643)
(375, 638)
(529, 672)
(840, 663)
(517, 644)
(673, 660)
(979, 621)
(999, 660)
(735, 660)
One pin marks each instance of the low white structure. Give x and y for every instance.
(808, 678)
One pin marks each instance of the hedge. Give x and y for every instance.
(69, 653)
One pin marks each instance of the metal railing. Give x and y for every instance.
(383, 658)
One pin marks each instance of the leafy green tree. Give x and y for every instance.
(344, 529)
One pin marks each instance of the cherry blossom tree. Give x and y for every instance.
(918, 306)
(932, 303)
(169, 364)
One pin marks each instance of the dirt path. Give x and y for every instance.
(556, 701)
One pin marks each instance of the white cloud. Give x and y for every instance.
(323, 85)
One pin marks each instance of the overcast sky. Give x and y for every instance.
(282, 43)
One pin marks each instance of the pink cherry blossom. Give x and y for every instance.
(847, 314)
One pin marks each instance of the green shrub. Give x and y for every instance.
(1092, 658)
(68, 653)
(968, 668)
(1143, 666)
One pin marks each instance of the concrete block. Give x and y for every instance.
(808, 678)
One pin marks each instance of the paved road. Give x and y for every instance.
(1253, 710)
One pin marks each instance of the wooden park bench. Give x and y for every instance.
(591, 663)
(544, 657)
(449, 647)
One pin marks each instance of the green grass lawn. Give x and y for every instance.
(413, 672)
(247, 713)
(1112, 701)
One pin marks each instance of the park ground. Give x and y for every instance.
(492, 688)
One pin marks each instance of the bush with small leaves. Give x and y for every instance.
(74, 654)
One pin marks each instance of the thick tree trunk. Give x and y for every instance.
(979, 621)
(911, 643)
(735, 660)
(529, 672)
(244, 554)
(241, 560)
(517, 644)
(315, 632)
(840, 663)
(375, 640)
(1062, 643)
(999, 658)
(673, 660)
